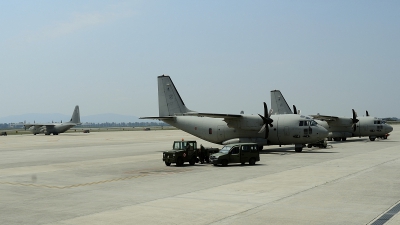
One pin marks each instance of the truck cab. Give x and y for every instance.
(236, 153)
(182, 151)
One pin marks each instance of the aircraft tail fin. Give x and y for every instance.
(169, 100)
(76, 117)
(279, 104)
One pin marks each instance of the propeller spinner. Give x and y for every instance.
(354, 120)
(266, 120)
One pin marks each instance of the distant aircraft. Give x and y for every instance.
(340, 128)
(224, 129)
(55, 128)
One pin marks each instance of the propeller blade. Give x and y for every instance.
(355, 120)
(294, 109)
(266, 120)
(262, 128)
(367, 113)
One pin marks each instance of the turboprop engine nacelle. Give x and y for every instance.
(246, 122)
(259, 141)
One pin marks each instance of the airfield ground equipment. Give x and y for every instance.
(187, 151)
(236, 153)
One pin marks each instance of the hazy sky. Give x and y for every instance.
(224, 56)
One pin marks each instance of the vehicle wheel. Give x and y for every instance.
(192, 161)
(298, 149)
(215, 164)
(384, 137)
(55, 133)
(179, 161)
(167, 163)
(243, 163)
(329, 139)
(224, 162)
(337, 139)
(252, 161)
(309, 145)
(372, 138)
(344, 139)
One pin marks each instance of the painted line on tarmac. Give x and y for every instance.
(387, 215)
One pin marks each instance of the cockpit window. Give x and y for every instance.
(301, 123)
(313, 123)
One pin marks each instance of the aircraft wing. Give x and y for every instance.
(158, 118)
(215, 115)
(38, 125)
(326, 118)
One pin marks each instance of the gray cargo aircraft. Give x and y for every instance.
(55, 128)
(224, 129)
(340, 128)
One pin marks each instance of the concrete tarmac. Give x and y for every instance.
(120, 178)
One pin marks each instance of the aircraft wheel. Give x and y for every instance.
(298, 149)
(252, 161)
(243, 163)
(371, 138)
(309, 146)
(224, 162)
(167, 163)
(55, 133)
(34, 134)
(337, 139)
(344, 139)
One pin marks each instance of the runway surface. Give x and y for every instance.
(119, 178)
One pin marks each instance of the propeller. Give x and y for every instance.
(266, 120)
(294, 109)
(367, 113)
(354, 119)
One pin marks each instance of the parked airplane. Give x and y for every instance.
(224, 129)
(340, 128)
(55, 128)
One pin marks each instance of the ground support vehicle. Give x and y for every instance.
(319, 144)
(182, 151)
(236, 153)
(207, 152)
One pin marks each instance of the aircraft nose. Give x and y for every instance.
(389, 128)
(323, 132)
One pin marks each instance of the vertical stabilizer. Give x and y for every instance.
(169, 100)
(76, 117)
(279, 104)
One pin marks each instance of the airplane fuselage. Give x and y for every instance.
(56, 129)
(286, 129)
(366, 126)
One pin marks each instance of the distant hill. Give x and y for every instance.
(57, 117)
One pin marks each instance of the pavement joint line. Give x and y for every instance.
(142, 174)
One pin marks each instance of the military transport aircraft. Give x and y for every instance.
(224, 129)
(55, 128)
(340, 128)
